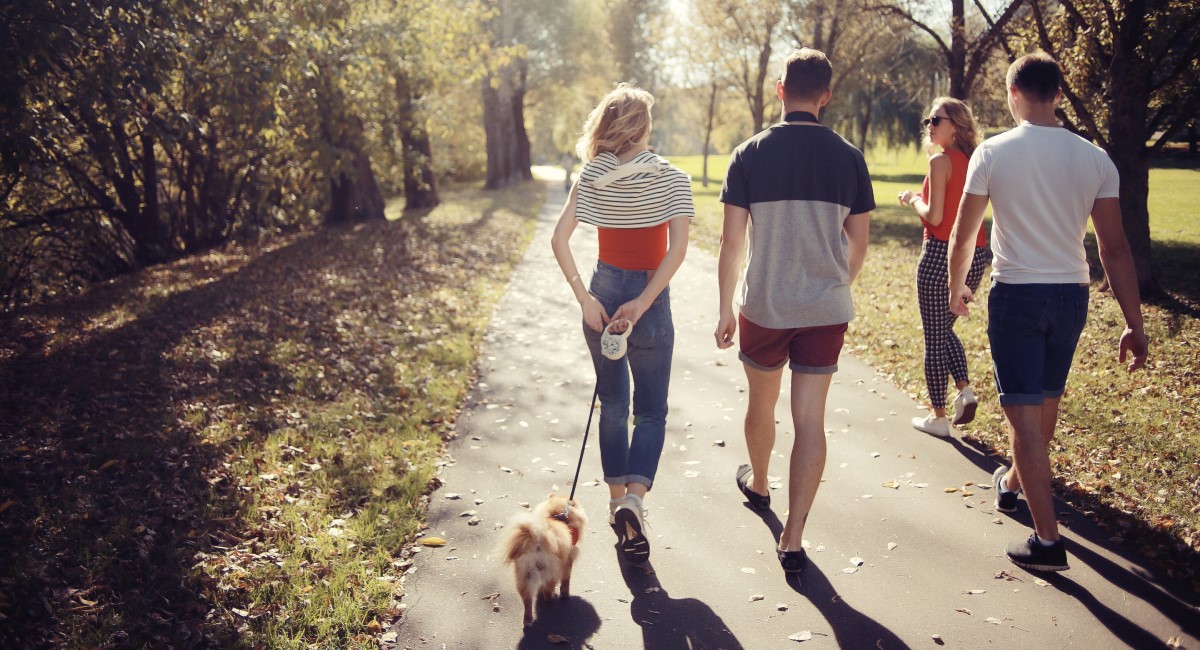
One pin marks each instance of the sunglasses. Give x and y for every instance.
(933, 121)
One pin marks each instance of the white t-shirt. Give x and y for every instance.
(1042, 182)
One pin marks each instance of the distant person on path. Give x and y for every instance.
(640, 205)
(1043, 181)
(808, 194)
(951, 128)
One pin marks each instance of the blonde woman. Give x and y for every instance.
(951, 129)
(640, 205)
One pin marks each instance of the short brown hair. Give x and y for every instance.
(807, 75)
(1037, 76)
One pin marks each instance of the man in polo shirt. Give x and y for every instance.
(1042, 181)
(807, 193)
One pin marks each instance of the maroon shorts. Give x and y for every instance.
(811, 350)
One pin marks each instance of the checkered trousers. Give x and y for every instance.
(944, 356)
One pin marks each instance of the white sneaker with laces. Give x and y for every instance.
(964, 406)
(933, 425)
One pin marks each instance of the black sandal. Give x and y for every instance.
(757, 501)
(792, 561)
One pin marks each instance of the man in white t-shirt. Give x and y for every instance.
(1043, 182)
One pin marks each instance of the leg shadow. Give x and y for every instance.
(672, 622)
(851, 628)
(572, 618)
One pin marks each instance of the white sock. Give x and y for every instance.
(1043, 542)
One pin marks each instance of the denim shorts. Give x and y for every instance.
(1033, 330)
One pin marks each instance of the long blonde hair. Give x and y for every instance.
(966, 131)
(620, 121)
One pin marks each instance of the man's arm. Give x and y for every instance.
(858, 231)
(1117, 261)
(962, 249)
(729, 266)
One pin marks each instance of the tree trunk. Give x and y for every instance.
(500, 132)
(521, 136)
(709, 118)
(420, 185)
(1128, 110)
(957, 57)
(355, 195)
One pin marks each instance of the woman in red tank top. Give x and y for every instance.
(951, 128)
(640, 205)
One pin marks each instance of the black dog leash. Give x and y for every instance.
(583, 448)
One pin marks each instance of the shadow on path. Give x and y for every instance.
(573, 618)
(669, 623)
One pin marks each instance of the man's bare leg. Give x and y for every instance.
(1030, 443)
(762, 396)
(809, 393)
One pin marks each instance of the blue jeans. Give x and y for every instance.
(648, 360)
(1033, 330)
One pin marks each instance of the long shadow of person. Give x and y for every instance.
(851, 628)
(571, 618)
(667, 622)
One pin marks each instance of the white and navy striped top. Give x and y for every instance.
(644, 192)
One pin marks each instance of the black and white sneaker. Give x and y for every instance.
(1006, 500)
(629, 525)
(1032, 555)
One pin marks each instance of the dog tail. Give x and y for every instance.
(520, 541)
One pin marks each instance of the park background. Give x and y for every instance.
(248, 250)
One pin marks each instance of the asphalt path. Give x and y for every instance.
(905, 546)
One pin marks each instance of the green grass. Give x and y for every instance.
(1128, 447)
(239, 446)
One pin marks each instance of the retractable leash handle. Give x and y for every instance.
(613, 345)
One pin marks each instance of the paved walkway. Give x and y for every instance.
(915, 511)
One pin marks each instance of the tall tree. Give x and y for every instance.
(969, 49)
(1132, 81)
(503, 88)
(743, 34)
(632, 34)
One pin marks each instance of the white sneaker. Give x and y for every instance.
(964, 406)
(932, 425)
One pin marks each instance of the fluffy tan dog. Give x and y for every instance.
(542, 546)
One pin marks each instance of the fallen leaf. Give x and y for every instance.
(949, 490)
(453, 496)
(856, 561)
(894, 484)
(747, 569)
(240, 612)
(992, 619)
(1041, 583)
(6, 505)
(783, 607)
(852, 569)
(85, 601)
(975, 592)
(109, 464)
(556, 638)
(963, 610)
(374, 627)
(892, 546)
(937, 639)
(433, 541)
(757, 597)
(801, 636)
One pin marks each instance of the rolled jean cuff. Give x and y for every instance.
(629, 478)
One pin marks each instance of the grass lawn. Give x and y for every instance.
(1128, 447)
(233, 450)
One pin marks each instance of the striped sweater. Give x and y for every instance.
(644, 192)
